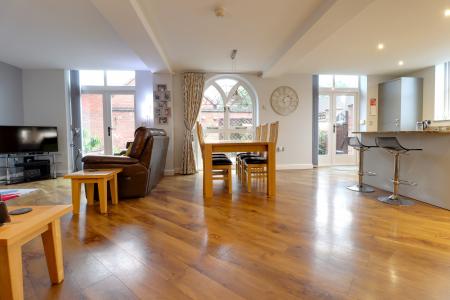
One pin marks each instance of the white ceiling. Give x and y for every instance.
(273, 37)
(414, 31)
(194, 38)
(61, 34)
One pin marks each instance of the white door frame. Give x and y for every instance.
(107, 110)
(332, 158)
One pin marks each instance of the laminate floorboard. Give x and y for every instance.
(314, 240)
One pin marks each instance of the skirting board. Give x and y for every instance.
(279, 167)
(294, 166)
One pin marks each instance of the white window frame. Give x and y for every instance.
(228, 130)
(331, 158)
(106, 92)
(442, 92)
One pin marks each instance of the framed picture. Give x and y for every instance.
(167, 95)
(163, 120)
(161, 87)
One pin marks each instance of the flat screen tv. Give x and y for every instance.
(28, 139)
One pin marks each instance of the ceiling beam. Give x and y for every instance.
(326, 20)
(131, 24)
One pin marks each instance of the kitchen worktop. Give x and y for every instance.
(405, 131)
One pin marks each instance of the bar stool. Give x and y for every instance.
(392, 145)
(361, 148)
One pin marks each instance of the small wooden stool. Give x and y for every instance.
(89, 178)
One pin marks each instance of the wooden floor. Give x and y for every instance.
(315, 240)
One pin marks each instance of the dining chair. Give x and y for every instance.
(221, 164)
(239, 167)
(256, 166)
(263, 138)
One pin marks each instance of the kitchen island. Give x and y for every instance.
(429, 168)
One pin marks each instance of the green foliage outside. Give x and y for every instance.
(323, 142)
(90, 143)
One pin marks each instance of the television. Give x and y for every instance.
(28, 139)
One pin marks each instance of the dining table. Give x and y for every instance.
(227, 146)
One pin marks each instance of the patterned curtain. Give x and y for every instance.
(193, 94)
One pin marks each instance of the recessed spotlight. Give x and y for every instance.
(401, 62)
(380, 46)
(447, 13)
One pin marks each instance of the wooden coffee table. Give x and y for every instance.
(43, 221)
(89, 178)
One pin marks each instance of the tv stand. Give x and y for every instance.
(26, 167)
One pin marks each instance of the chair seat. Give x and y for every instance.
(244, 157)
(255, 160)
(244, 154)
(221, 162)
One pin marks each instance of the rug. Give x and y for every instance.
(9, 194)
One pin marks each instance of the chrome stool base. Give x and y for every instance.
(364, 188)
(396, 200)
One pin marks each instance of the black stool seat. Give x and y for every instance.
(219, 161)
(392, 144)
(255, 160)
(356, 143)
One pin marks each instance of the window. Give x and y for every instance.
(339, 81)
(107, 110)
(227, 111)
(442, 91)
(107, 78)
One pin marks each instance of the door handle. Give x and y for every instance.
(334, 128)
(109, 130)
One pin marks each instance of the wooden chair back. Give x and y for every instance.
(258, 133)
(273, 132)
(200, 135)
(264, 132)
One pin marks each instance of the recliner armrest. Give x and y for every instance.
(109, 159)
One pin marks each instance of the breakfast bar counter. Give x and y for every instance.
(429, 168)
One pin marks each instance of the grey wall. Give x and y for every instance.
(11, 107)
(45, 103)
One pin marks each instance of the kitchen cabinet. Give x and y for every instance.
(400, 104)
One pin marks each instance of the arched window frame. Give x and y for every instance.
(240, 81)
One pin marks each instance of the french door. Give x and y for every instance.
(107, 121)
(337, 121)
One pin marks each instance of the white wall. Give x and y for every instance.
(11, 107)
(144, 99)
(167, 79)
(45, 103)
(295, 132)
(428, 90)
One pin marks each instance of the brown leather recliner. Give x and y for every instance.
(144, 166)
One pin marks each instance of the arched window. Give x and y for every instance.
(228, 110)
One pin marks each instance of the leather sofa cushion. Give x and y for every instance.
(141, 137)
(109, 159)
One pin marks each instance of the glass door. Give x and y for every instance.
(108, 122)
(92, 123)
(121, 123)
(337, 121)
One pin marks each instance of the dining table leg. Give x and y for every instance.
(207, 171)
(271, 170)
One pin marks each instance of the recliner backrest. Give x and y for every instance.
(141, 137)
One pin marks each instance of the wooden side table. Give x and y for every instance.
(89, 178)
(43, 221)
